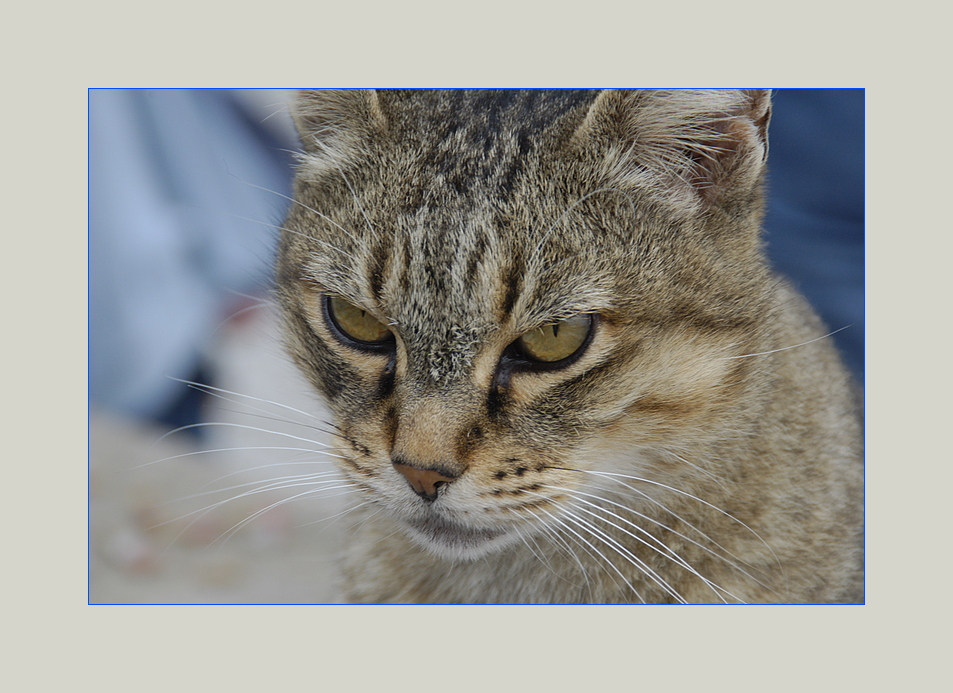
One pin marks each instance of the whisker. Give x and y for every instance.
(562, 522)
(202, 512)
(347, 491)
(357, 200)
(260, 300)
(575, 204)
(245, 470)
(794, 346)
(218, 391)
(281, 228)
(242, 426)
(541, 554)
(626, 554)
(237, 313)
(674, 531)
(717, 479)
(619, 548)
(665, 550)
(687, 495)
(300, 204)
(274, 484)
(555, 536)
(237, 526)
(282, 106)
(242, 449)
(276, 419)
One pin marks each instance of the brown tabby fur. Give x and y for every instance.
(703, 447)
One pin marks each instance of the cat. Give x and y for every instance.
(559, 365)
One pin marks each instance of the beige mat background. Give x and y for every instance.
(171, 526)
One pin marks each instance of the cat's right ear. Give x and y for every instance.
(336, 124)
(693, 148)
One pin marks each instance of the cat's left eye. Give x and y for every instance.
(557, 341)
(355, 324)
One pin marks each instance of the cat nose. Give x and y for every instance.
(425, 482)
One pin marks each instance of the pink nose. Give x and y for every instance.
(425, 482)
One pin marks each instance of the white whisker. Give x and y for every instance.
(354, 195)
(793, 346)
(240, 449)
(718, 480)
(242, 426)
(661, 525)
(619, 548)
(561, 521)
(202, 512)
(687, 495)
(261, 486)
(625, 553)
(661, 549)
(312, 492)
(302, 204)
(246, 470)
(212, 390)
(347, 490)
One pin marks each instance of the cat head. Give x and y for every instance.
(498, 291)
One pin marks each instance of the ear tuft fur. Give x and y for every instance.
(690, 148)
(334, 126)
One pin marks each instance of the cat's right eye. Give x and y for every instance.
(356, 325)
(556, 342)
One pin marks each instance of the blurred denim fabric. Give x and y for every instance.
(176, 227)
(179, 218)
(815, 220)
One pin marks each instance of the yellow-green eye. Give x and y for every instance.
(557, 341)
(356, 323)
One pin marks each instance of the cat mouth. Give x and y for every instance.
(449, 539)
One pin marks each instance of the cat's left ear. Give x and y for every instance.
(335, 125)
(692, 148)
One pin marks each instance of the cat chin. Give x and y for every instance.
(454, 542)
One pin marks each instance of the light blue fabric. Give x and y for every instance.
(175, 224)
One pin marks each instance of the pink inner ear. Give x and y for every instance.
(689, 147)
(711, 159)
(726, 155)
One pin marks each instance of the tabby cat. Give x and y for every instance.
(559, 366)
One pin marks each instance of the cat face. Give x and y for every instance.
(500, 295)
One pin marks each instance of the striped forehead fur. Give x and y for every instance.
(476, 216)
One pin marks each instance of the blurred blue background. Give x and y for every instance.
(815, 220)
(186, 186)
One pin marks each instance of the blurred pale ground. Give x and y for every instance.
(148, 543)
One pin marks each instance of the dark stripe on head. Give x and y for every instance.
(512, 284)
(377, 268)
